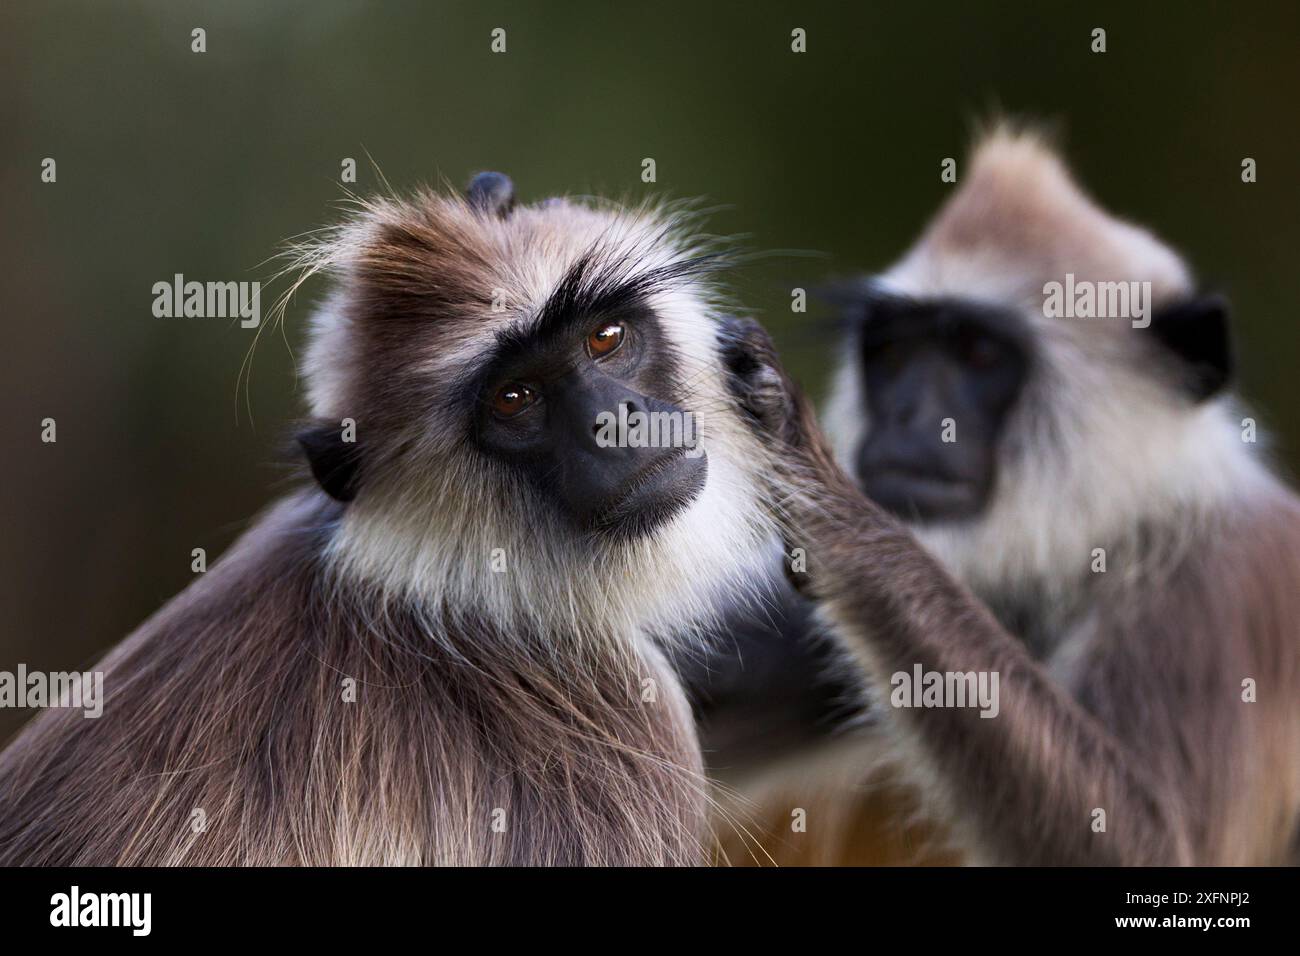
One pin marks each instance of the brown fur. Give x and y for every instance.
(1141, 714)
(498, 718)
(825, 810)
(1151, 727)
(230, 701)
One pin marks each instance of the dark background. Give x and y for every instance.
(171, 161)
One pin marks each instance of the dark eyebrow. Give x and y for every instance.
(852, 301)
(599, 284)
(879, 314)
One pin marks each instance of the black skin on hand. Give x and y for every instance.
(755, 375)
(763, 393)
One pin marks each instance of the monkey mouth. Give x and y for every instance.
(921, 494)
(653, 495)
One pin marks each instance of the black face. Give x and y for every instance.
(935, 370)
(594, 348)
(540, 410)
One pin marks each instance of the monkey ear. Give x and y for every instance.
(334, 462)
(852, 301)
(854, 292)
(492, 194)
(1196, 331)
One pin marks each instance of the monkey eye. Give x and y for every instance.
(605, 340)
(512, 399)
(983, 352)
(889, 356)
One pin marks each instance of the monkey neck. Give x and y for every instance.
(1059, 540)
(1043, 609)
(537, 580)
(567, 735)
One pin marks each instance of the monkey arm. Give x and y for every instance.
(1025, 783)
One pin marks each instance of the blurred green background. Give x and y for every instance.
(171, 161)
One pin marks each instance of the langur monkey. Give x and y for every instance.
(446, 650)
(1098, 535)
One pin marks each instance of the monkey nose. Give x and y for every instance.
(609, 422)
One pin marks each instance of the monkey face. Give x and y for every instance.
(538, 381)
(939, 378)
(572, 406)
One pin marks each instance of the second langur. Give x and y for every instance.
(1098, 535)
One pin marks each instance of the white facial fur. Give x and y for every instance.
(428, 525)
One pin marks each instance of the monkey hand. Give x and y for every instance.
(774, 404)
(804, 475)
(757, 381)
